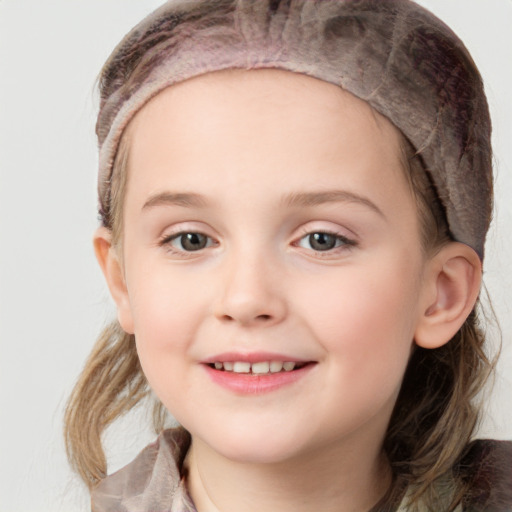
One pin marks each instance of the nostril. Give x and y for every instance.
(263, 317)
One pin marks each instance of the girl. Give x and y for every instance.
(294, 200)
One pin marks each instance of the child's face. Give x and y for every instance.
(252, 165)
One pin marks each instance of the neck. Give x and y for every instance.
(336, 478)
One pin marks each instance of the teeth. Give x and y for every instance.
(239, 367)
(260, 368)
(276, 366)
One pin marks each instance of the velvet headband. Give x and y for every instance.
(397, 56)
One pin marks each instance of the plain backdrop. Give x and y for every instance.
(52, 298)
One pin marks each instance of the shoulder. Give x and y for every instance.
(152, 481)
(486, 467)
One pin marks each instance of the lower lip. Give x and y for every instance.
(250, 384)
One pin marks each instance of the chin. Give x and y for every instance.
(254, 445)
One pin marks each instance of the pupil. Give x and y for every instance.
(193, 241)
(322, 241)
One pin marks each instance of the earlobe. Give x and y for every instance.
(111, 267)
(450, 293)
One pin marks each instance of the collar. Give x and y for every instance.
(152, 481)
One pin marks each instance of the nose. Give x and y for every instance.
(252, 294)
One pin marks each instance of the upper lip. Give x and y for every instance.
(253, 357)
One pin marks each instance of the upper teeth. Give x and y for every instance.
(257, 368)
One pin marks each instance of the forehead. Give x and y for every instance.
(235, 128)
(285, 90)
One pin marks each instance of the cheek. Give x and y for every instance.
(166, 310)
(366, 317)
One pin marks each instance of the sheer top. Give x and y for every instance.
(155, 482)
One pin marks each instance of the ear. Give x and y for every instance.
(110, 264)
(450, 292)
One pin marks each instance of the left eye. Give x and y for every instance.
(321, 241)
(189, 242)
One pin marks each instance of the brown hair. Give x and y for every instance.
(436, 412)
(438, 409)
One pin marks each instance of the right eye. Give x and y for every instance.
(325, 242)
(187, 241)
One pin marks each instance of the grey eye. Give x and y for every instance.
(190, 241)
(322, 242)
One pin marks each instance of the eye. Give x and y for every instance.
(188, 241)
(323, 241)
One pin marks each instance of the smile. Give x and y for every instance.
(256, 376)
(258, 368)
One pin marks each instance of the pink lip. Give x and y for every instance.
(250, 384)
(254, 357)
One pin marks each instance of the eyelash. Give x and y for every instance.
(167, 240)
(342, 243)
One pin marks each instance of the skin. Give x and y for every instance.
(250, 146)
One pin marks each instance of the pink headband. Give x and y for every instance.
(395, 55)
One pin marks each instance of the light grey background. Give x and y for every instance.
(52, 298)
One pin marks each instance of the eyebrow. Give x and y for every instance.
(185, 199)
(295, 199)
(305, 199)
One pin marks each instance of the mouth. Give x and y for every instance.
(257, 372)
(258, 368)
